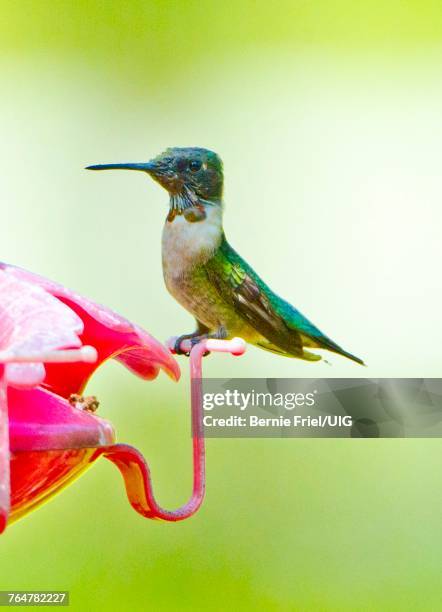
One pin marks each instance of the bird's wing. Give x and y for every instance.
(239, 285)
(278, 321)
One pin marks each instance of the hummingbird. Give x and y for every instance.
(207, 276)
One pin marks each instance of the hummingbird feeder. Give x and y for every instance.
(51, 342)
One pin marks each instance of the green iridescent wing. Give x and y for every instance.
(286, 329)
(234, 281)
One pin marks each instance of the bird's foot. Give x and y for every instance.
(196, 338)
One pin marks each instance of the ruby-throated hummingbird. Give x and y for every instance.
(206, 276)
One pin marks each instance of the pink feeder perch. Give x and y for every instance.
(51, 342)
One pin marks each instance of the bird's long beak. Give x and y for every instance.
(143, 167)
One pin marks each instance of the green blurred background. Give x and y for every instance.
(328, 117)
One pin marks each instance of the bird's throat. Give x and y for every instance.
(182, 200)
(186, 202)
(193, 214)
(191, 237)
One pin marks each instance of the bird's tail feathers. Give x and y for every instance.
(326, 343)
(340, 351)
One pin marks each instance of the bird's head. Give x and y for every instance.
(189, 172)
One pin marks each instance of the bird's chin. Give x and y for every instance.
(172, 184)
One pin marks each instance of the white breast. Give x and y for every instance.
(184, 243)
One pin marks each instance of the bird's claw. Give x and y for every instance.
(194, 340)
(177, 346)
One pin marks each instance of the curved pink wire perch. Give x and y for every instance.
(132, 464)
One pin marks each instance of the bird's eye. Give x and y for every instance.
(194, 165)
